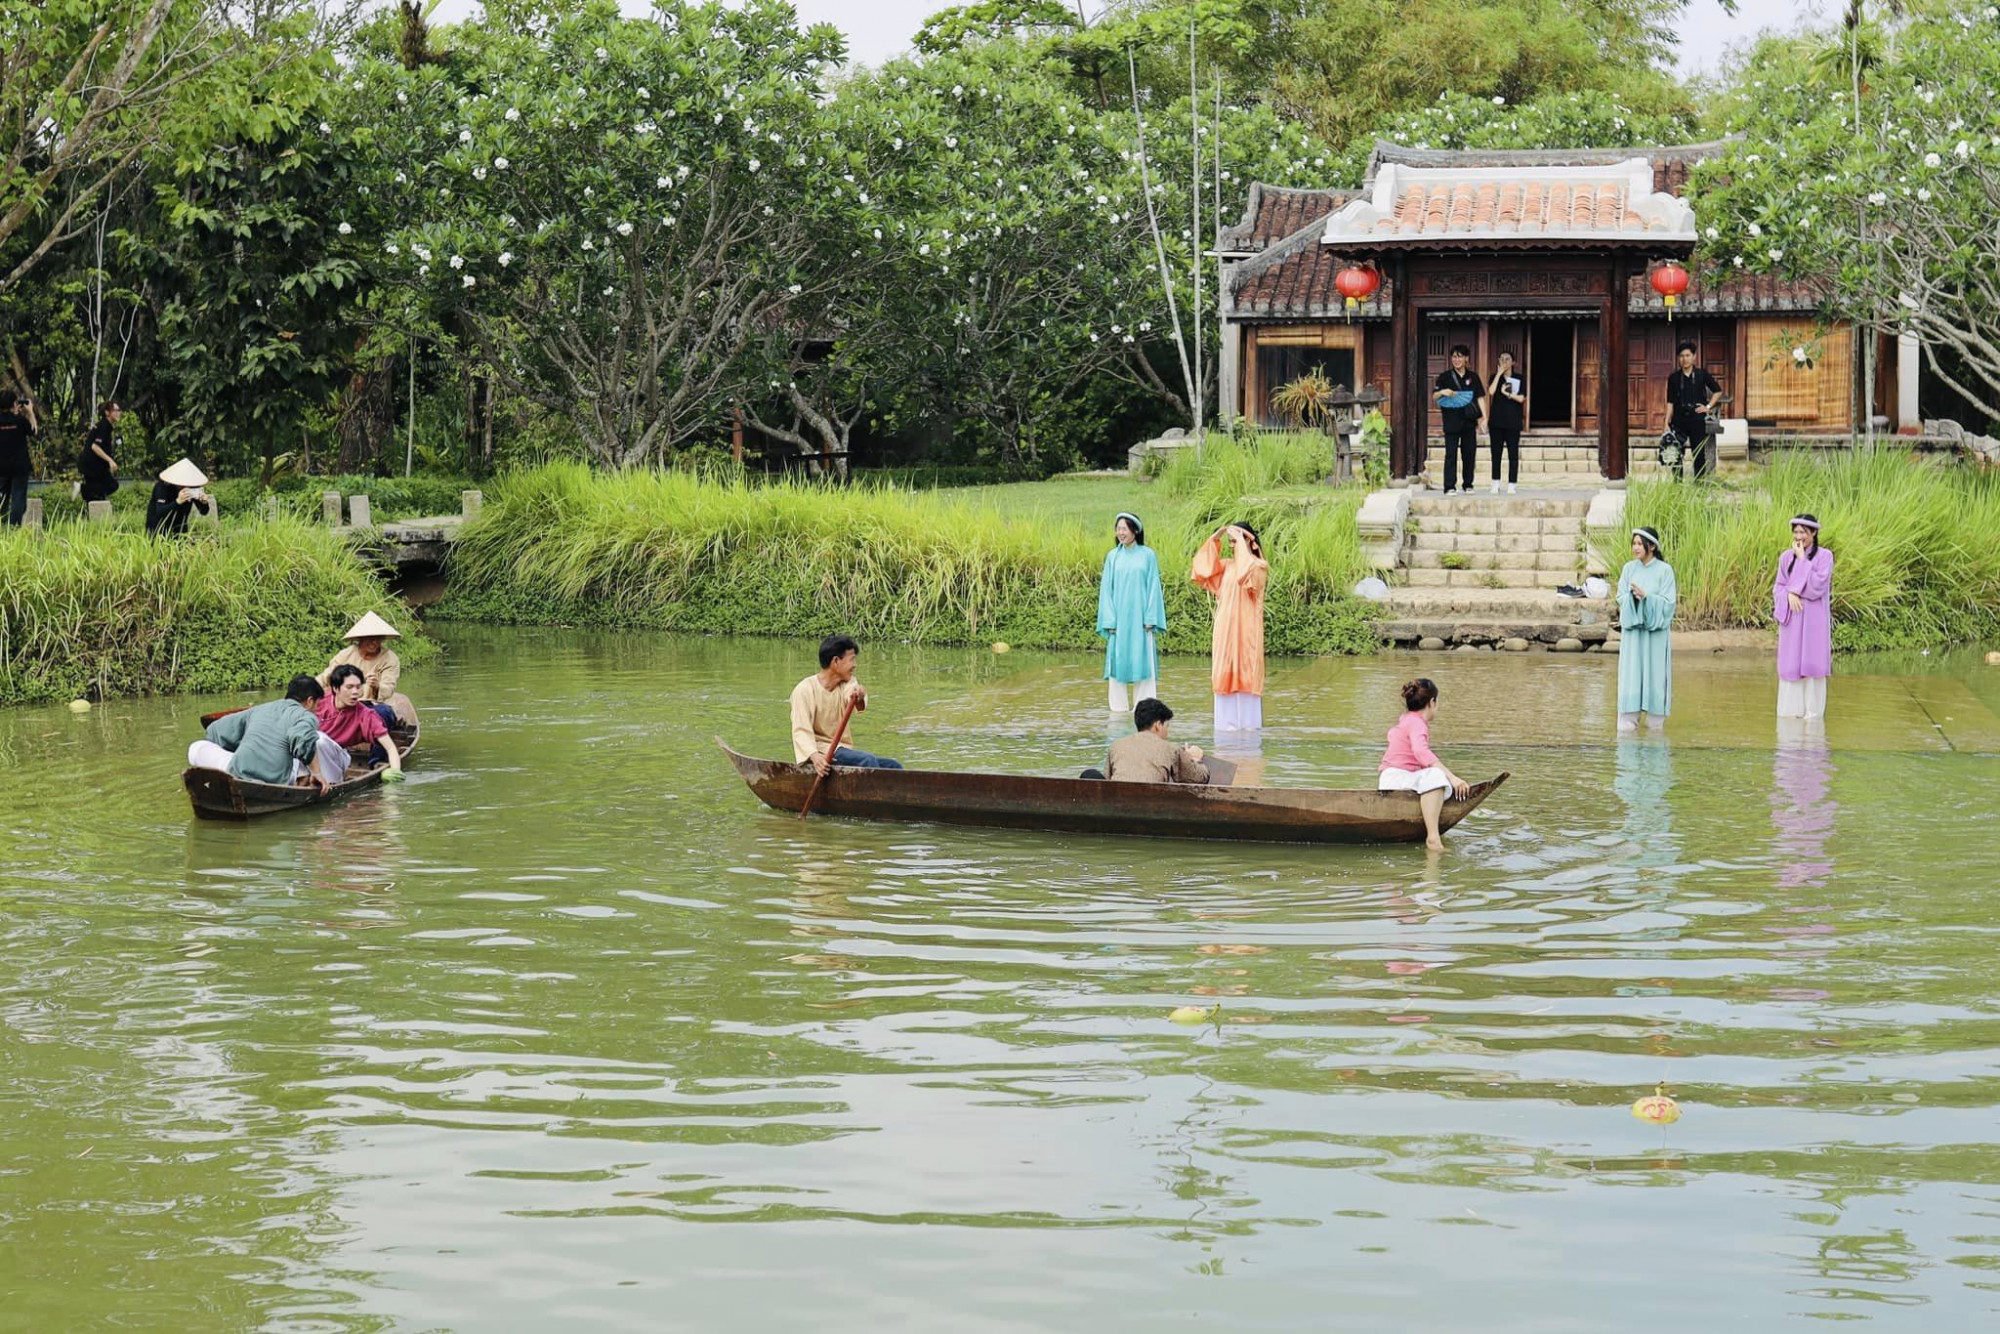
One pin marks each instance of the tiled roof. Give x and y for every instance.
(1515, 204)
(1295, 279)
(1743, 295)
(1274, 212)
(1670, 164)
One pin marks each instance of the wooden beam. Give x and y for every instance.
(1406, 407)
(1613, 424)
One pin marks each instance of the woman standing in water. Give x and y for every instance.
(1800, 598)
(1237, 670)
(1131, 610)
(1646, 595)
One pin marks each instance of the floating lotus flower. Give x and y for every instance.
(1658, 1108)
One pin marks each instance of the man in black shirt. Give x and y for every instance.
(99, 461)
(16, 430)
(1457, 394)
(1692, 394)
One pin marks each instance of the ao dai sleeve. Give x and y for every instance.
(1256, 572)
(1659, 602)
(1782, 589)
(1106, 619)
(1156, 593)
(1819, 578)
(1207, 571)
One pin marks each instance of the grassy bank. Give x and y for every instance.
(564, 545)
(102, 610)
(241, 499)
(1916, 545)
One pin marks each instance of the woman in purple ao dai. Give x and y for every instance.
(1800, 598)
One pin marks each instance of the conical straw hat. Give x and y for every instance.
(371, 626)
(184, 473)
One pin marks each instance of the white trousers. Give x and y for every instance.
(1239, 713)
(1119, 703)
(1804, 698)
(333, 759)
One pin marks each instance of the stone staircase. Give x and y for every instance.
(1480, 571)
(1547, 461)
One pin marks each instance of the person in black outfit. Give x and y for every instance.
(1692, 394)
(1461, 423)
(1503, 421)
(99, 461)
(175, 495)
(16, 430)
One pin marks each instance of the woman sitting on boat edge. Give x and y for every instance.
(1408, 764)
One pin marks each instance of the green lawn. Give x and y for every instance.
(1089, 503)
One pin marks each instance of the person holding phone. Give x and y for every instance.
(175, 495)
(1504, 416)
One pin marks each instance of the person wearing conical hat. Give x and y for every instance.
(175, 495)
(368, 649)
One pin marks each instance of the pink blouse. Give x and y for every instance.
(1410, 745)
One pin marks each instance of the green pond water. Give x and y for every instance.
(570, 1033)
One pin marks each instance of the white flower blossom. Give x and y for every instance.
(479, 173)
(423, 270)
(951, 141)
(458, 261)
(344, 229)
(465, 136)
(500, 164)
(1933, 160)
(755, 164)
(603, 54)
(1923, 196)
(643, 94)
(924, 249)
(469, 281)
(506, 258)
(423, 253)
(513, 113)
(325, 128)
(1756, 230)
(958, 90)
(609, 290)
(1877, 197)
(587, 245)
(1776, 254)
(393, 248)
(1712, 234)
(402, 96)
(1964, 150)
(795, 289)
(624, 229)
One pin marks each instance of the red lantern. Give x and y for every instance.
(1670, 280)
(1356, 283)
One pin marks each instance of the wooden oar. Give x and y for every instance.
(831, 750)
(208, 718)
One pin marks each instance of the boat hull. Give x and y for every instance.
(220, 796)
(1090, 806)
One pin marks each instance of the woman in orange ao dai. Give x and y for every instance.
(1237, 583)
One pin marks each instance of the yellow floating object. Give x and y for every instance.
(1195, 1014)
(1001, 646)
(1993, 658)
(79, 706)
(1657, 1107)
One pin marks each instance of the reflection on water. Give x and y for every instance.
(568, 1032)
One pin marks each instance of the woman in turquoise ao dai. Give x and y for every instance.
(1131, 610)
(1646, 596)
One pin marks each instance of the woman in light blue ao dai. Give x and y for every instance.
(1646, 596)
(1131, 610)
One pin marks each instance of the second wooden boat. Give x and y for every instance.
(222, 796)
(1092, 806)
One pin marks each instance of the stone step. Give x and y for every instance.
(1427, 539)
(1484, 506)
(1497, 604)
(1570, 559)
(1505, 577)
(1480, 524)
(1512, 634)
(1540, 481)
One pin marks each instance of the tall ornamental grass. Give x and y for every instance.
(1916, 545)
(98, 610)
(562, 544)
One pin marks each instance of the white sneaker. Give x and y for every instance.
(1496, 488)
(1510, 488)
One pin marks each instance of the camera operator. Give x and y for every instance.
(16, 430)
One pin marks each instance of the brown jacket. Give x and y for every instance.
(1146, 758)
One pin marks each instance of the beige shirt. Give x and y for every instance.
(381, 671)
(816, 713)
(1145, 757)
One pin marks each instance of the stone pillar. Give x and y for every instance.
(270, 508)
(357, 512)
(33, 518)
(469, 502)
(98, 511)
(329, 508)
(1229, 354)
(1909, 355)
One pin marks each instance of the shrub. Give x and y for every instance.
(104, 610)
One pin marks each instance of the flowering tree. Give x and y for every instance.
(1553, 120)
(620, 208)
(1896, 221)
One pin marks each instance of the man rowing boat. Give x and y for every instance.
(820, 705)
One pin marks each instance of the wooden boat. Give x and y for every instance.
(1093, 806)
(221, 796)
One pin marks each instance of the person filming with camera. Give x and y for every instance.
(175, 495)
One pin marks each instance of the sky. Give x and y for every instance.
(878, 29)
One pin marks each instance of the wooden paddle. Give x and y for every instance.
(831, 750)
(208, 718)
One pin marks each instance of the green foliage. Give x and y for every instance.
(674, 551)
(1555, 119)
(1916, 545)
(103, 610)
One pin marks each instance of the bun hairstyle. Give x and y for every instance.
(1418, 693)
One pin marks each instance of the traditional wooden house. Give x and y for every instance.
(1546, 254)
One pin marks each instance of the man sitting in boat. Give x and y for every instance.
(278, 742)
(343, 715)
(820, 704)
(368, 649)
(1148, 757)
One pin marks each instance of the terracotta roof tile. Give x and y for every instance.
(1741, 295)
(1274, 212)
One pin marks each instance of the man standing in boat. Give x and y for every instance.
(820, 705)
